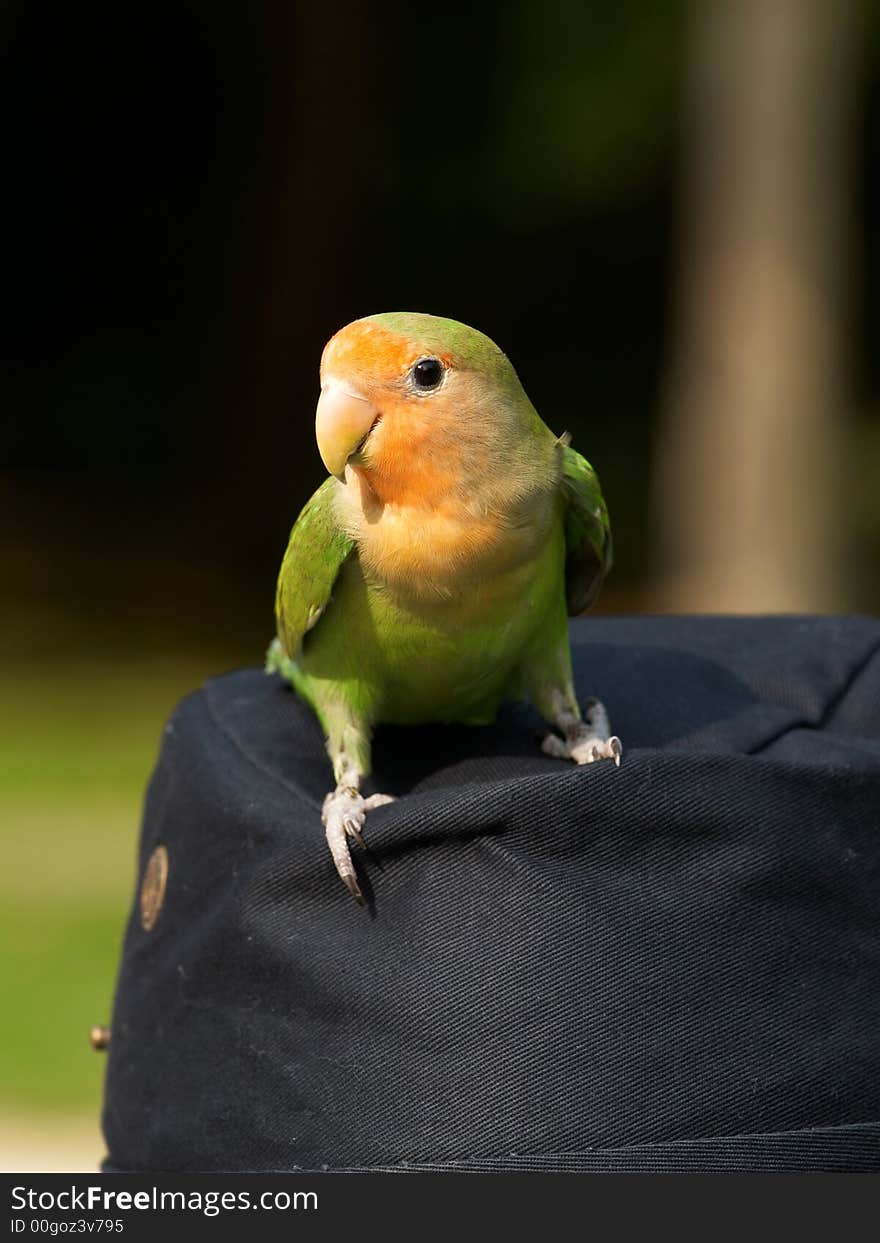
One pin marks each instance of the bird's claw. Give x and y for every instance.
(586, 741)
(343, 815)
(603, 749)
(353, 829)
(584, 748)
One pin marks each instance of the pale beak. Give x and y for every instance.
(342, 424)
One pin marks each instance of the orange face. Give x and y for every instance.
(393, 409)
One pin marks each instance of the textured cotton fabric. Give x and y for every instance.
(671, 965)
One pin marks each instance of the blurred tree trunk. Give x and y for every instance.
(747, 504)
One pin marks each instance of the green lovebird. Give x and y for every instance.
(431, 576)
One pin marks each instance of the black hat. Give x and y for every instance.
(671, 965)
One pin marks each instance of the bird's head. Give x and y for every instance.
(414, 402)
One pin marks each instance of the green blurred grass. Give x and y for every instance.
(78, 739)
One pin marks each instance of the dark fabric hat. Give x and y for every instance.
(673, 965)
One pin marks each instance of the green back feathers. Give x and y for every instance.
(317, 550)
(587, 532)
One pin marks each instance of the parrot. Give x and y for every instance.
(431, 575)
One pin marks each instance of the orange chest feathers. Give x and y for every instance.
(437, 550)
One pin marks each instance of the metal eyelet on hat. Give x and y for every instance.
(153, 887)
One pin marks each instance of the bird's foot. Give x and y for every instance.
(585, 741)
(343, 814)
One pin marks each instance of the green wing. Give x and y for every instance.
(316, 552)
(587, 532)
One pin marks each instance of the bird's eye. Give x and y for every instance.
(427, 373)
